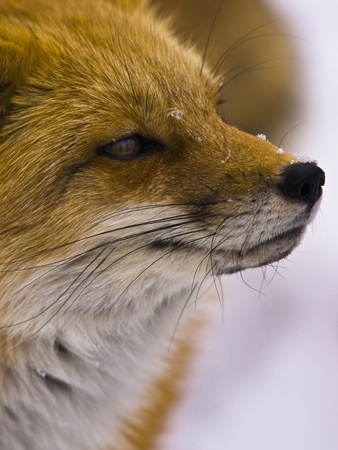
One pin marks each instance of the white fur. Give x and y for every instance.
(115, 310)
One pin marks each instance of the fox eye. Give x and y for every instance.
(123, 149)
(128, 148)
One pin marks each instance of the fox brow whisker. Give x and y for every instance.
(242, 40)
(212, 28)
(248, 68)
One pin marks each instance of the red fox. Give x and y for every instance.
(122, 190)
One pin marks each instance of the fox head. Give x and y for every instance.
(118, 177)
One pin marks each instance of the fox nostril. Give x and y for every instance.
(306, 188)
(303, 181)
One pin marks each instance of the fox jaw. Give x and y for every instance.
(122, 190)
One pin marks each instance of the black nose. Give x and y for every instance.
(303, 181)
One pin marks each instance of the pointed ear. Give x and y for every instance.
(17, 55)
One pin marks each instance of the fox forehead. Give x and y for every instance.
(114, 75)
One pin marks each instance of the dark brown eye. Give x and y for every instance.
(123, 149)
(128, 148)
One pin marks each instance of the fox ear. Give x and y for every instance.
(17, 55)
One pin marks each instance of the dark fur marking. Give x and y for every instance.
(52, 381)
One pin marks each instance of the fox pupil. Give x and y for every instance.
(123, 150)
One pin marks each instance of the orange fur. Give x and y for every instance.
(150, 423)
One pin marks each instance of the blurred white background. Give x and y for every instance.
(269, 379)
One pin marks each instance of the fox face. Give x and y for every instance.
(122, 190)
(118, 174)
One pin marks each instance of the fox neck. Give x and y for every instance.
(83, 369)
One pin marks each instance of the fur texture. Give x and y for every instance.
(122, 190)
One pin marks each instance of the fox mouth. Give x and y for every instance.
(266, 252)
(227, 261)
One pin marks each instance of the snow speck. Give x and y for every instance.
(176, 113)
(41, 373)
(280, 151)
(228, 157)
(303, 158)
(199, 140)
(262, 136)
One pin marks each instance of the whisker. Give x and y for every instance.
(212, 28)
(275, 267)
(263, 282)
(155, 261)
(249, 36)
(65, 302)
(186, 303)
(81, 284)
(55, 301)
(250, 68)
(249, 286)
(103, 233)
(288, 132)
(212, 249)
(103, 246)
(139, 275)
(107, 232)
(97, 275)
